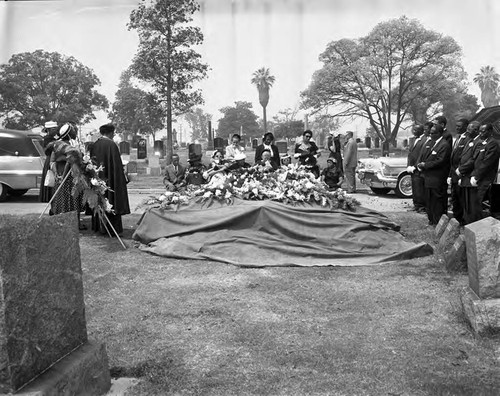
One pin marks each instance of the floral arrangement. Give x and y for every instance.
(292, 184)
(86, 180)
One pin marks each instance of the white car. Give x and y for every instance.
(385, 174)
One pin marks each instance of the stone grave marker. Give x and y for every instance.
(124, 147)
(441, 226)
(482, 240)
(282, 147)
(194, 149)
(42, 310)
(142, 149)
(255, 143)
(450, 234)
(132, 167)
(456, 258)
(159, 148)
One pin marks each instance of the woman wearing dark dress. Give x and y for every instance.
(307, 153)
(268, 144)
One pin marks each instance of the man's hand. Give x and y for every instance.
(448, 181)
(420, 166)
(473, 181)
(457, 172)
(410, 169)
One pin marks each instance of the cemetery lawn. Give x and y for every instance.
(206, 328)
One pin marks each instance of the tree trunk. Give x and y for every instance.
(265, 119)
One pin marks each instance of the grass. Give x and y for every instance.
(205, 328)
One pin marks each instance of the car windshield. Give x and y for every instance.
(38, 145)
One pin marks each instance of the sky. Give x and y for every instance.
(240, 36)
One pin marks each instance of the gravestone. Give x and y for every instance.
(482, 240)
(368, 142)
(405, 143)
(159, 148)
(220, 144)
(456, 258)
(132, 167)
(255, 143)
(42, 311)
(282, 147)
(142, 149)
(385, 149)
(124, 147)
(450, 234)
(377, 142)
(441, 226)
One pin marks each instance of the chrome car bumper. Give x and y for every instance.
(376, 179)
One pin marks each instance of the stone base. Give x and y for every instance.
(483, 315)
(85, 371)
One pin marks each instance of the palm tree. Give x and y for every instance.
(263, 81)
(488, 80)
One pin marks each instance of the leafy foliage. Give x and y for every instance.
(198, 120)
(263, 80)
(285, 126)
(165, 58)
(39, 86)
(488, 80)
(381, 76)
(239, 117)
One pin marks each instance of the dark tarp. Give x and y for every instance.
(267, 233)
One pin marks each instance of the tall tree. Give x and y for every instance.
(488, 80)
(263, 80)
(238, 119)
(165, 58)
(136, 111)
(40, 86)
(379, 76)
(198, 120)
(286, 126)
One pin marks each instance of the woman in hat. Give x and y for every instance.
(286, 160)
(307, 152)
(49, 130)
(195, 170)
(217, 165)
(64, 201)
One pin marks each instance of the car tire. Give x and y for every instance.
(380, 190)
(3, 192)
(403, 187)
(17, 193)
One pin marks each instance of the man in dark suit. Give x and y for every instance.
(268, 144)
(465, 168)
(456, 153)
(175, 174)
(417, 181)
(441, 120)
(435, 165)
(485, 170)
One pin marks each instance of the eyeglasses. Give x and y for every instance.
(308, 136)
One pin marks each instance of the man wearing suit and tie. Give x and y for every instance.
(484, 172)
(465, 168)
(435, 165)
(175, 174)
(456, 153)
(417, 181)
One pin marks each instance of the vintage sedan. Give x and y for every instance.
(21, 162)
(385, 174)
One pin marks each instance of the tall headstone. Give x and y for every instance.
(368, 142)
(282, 147)
(220, 143)
(481, 299)
(142, 149)
(211, 144)
(377, 142)
(194, 149)
(159, 148)
(42, 311)
(255, 143)
(124, 147)
(385, 148)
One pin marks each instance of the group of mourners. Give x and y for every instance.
(267, 159)
(467, 164)
(57, 184)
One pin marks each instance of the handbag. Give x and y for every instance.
(50, 179)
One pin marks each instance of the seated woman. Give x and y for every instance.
(217, 165)
(332, 175)
(268, 144)
(307, 152)
(235, 148)
(195, 170)
(286, 160)
(266, 163)
(238, 165)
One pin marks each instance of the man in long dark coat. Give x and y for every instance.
(457, 195)
(417, 180)
(105, 152)
(435, 165)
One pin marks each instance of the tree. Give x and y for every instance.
(285, 126)
(380, 76)
(40, 86)
(488, 80)
(198, 120)
(238, 119)
(165, 58)
(263, 80)
(136, 111)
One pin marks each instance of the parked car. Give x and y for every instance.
(385, 174)
(21, 162)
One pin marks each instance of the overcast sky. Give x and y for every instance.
(241, 36)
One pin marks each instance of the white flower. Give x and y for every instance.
(107, 206)
(175, 199)
(94, 181)
(207, 194)
(255, 191)
(218, 193)
(86, 158)
(162, 198)
(228, 194)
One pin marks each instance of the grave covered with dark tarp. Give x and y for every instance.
(268, 233)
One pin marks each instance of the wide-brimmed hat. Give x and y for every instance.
(64, 131)
(50, 124)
